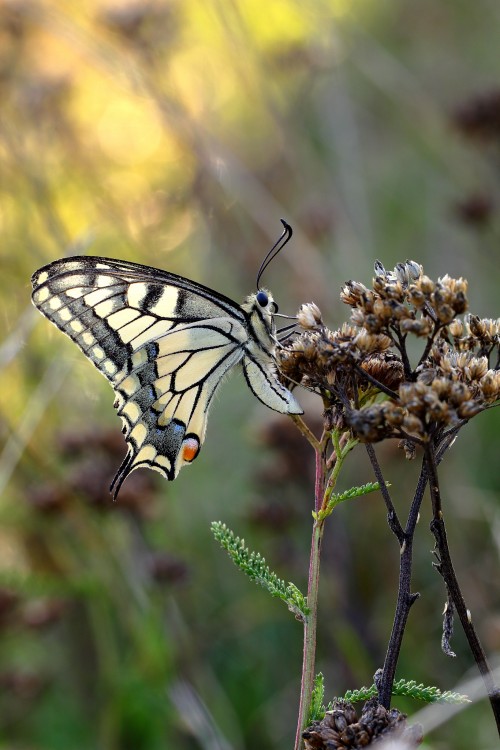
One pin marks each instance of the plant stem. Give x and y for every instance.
(445, 568)
(322, 492)
(392, 516)
(405, 598)
(310, 626)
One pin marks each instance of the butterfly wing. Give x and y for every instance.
(163, 342)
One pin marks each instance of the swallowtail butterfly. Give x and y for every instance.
(164, 343)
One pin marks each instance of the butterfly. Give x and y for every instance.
(165, 344)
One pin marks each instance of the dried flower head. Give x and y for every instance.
(363, 370)
(309, 316)
(341, 729)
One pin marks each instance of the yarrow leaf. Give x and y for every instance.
(336, 499)
(316, 708)
(255, 567)
(408, 688)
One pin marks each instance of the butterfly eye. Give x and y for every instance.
(262, 298)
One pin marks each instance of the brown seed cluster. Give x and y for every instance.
(342, 730)
(365, 373)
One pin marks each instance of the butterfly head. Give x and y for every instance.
(262, 304)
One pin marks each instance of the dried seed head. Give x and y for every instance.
(387, 369)
(349, 367)
(421, 327)
(487, 330)
(404, 273)
(369, 343)
(353, 292)
(426, 285)
(414, 426)
(309, 316)
(456, 328)
(469, 409)
(490, 385)
(340, 729)
(416, 296)
(475, 368)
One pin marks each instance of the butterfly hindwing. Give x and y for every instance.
(165, 344)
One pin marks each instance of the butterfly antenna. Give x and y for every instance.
(273, 252)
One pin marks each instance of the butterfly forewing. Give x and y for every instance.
(165, 344)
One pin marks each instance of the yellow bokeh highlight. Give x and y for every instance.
(129, 131)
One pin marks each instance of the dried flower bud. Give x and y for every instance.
(413, 269)
(385, 368)
(445, 313)
(388, 287)
(426, 285)
(413, 425)
(416, 296)
(368, 424)
(459, 394)
(469, 409)
(421, 327)
(476, 368)
(370, 343)
(456, 328)
(490, 385)
(353, 292)
(487, 330)
(309, 316)
(394, 415)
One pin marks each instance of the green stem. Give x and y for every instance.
(323, 492)
(310, 626)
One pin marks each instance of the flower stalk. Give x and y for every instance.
(324, 485)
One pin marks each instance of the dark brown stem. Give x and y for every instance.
(392, 516)
(405, 598)
(429, 343)
(445, 568)
(401, 345)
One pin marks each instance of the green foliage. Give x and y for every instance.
(410, 689)
(317, 709)
(407, 688)
(254, 566)
(350, 494)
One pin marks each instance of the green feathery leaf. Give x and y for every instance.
(254, 566)
(317, 709)
(428, 694)
(336, 499)
(409, 688)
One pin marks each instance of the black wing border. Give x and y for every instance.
(140, 272)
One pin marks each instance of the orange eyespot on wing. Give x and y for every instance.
(190, 449)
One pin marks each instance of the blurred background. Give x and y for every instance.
(177, 133)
